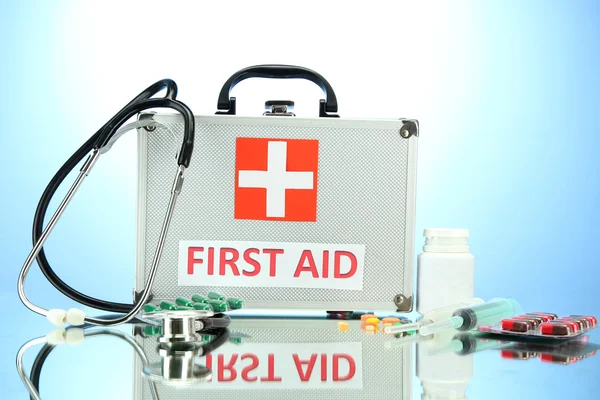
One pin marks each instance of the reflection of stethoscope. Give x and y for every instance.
(100, 143)
(178, 365)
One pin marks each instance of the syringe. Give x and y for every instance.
(432, 316)
(468, 318)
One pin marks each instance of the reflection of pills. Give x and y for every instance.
(364, 317)
(516, 355)
(343, 326)
(390, 320)
(369, 328)
(373, 321)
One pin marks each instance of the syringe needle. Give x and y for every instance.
(402, 328)
(431, 329)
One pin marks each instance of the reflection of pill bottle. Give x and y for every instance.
(445, 269)
(444, 374)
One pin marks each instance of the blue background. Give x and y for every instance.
(506, 93)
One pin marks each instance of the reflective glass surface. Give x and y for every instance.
(303, 358)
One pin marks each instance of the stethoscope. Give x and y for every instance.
(178, 364)
(100, 143)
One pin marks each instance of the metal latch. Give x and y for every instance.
(279, 108)
(403, 303)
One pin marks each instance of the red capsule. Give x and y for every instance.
(556, 328)
(516, 325)
(575, 326)
(581, 323)
(590, 321)
(535, 321)
(547, 316)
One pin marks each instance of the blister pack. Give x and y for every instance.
(539, 326)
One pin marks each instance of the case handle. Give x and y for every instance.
(275, 71)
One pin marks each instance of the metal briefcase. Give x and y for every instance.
(282, 211)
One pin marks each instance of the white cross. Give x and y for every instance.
(276, 179)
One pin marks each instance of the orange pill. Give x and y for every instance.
(365, 316)
(369, 328)
(343, 326)
(390, 320)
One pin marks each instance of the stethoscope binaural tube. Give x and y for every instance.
(93, 148)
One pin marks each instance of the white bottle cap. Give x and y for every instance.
(444, 240)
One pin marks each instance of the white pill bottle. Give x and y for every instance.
(445, 273)
(445, 269)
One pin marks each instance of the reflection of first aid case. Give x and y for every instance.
(283, 211)
(293, 359)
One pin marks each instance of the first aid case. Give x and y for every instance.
(283, 211)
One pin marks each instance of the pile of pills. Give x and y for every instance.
(549, 324)
(565, 326)
(213, 301)
(371, 324)
(543, 325)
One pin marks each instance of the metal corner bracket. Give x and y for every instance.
(410, 127)
(147, 115)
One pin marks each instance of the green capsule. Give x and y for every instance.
(167, 305)
(183, 302)
(184, 308)
(196, 298)
(215, 296)
(151, 308)
(219, 305)
(235, 304)
(206, 338)
(236, 340)
(152, 330)
(202, 306)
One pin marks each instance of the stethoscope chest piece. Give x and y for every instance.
(178, 365)
(179, 326)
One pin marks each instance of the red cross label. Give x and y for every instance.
(276, 179)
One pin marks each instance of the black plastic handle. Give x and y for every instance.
(275, 71)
